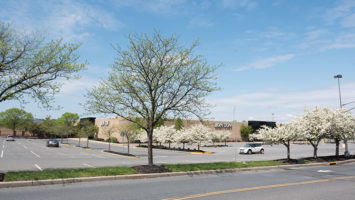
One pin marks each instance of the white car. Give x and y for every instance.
(250, 148)
(10, 138)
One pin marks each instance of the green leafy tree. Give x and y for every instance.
(30, 67)
(49, 127)
(15, 118)
(88, 130)
(109, 131)
(245, 131)
(66, 123)
(179, 124)
(153, 79)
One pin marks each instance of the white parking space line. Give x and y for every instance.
(35, 154)
(88, 165)
(38, 167)
(2, 153)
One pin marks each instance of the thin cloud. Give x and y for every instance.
(266, 63)
(342, 13)
(285, 105)
(200, 22)
(71, 20)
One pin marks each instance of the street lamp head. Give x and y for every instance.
(338, 76)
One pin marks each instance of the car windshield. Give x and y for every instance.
(247, 145)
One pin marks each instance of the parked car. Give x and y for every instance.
(250, 148)
(52, 143)
(10, 138)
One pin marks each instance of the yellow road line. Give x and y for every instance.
(259, 188)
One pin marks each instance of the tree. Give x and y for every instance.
(67, 121)
(179, 124)
(31, 67)
(130, 131)
(282, 133)
(199, 135)
(314, 125)
(153, 79)
(183, 137)
(246, 130)
(108, 131)
(342, 127)
(49, 127)
(15, 118)
(88, 130)
(219, 136)
(165, 134)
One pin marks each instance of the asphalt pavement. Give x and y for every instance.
(32, 154)
(321, 182)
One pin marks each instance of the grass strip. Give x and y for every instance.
(67, 173)
(220, 165)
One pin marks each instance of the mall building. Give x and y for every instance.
(232, 127)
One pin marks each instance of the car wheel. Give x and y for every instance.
(262, 151)
(249, 152)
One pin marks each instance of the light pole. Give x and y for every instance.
(346, 152)
(339, 76)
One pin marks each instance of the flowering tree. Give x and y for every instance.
(343, 128)
(165, 134)
(281, 134)
(199, 135)
(182, 137)
(314, 125)
(219, 136)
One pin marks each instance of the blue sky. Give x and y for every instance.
(278, 57)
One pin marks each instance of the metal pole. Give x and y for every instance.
(346, 152)
(341, 105)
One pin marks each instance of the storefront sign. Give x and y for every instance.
(222, 125)
(105, 123)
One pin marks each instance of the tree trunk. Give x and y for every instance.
(169, 144)
(79, 141)
(183, 145)
(225, 142)
(315, 156)
(87, 143)
(198, 147)
(288, 150)
(315, 148)
(109, 145)
(127, 144)
(337, 141)
(150, 147)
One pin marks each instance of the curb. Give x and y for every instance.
(154, 175)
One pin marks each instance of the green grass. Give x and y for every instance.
(107, 171)
(67, 173)
(220, 165)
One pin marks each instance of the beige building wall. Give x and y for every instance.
(232, 127)
(108, 123)
(6, 131)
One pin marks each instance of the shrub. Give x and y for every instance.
(113, 140)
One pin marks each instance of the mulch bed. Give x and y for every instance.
(146, 169)
(120, 153)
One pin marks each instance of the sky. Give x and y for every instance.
(277, 57)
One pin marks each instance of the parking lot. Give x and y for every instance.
(32, 154)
